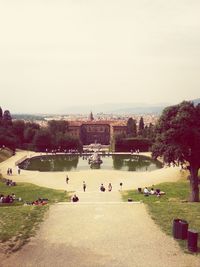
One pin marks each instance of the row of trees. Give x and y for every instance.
(137, 137)
(142, 130)
(29, 135)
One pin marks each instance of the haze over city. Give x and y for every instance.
(57, 54)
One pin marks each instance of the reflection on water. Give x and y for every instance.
(76, 163)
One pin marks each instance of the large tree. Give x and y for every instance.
(42, 140)
(58, 126)
(1, 113)
(141, 126)
(178, 140)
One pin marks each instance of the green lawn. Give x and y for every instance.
(170, 206)
(18, 222)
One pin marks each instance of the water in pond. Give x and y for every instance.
(76, 163)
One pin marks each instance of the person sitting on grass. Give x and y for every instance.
(152, 191)
(146, 191)
(39, 202)
(159, 193)
(74, 198)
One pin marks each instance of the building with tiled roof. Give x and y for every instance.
(99, 131)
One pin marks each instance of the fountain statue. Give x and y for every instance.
(95, 161)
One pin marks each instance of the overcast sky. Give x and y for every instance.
(58, 53)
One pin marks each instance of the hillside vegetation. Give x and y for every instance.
(5, 153)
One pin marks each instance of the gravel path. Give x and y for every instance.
(100, 234)
(100, 230)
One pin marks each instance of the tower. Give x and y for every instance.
(91, 117)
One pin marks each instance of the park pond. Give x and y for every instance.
(136, 163)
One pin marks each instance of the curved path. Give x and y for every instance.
(100, 230)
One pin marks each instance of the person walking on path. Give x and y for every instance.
(67, 179)
(121, 186)
(109, 187)
(102, 188)
(84, 186)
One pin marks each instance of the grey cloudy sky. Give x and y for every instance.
(57, 53)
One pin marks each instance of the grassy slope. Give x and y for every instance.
(5, 154)
(170, 206)
(18, 222)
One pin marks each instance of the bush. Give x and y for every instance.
(128, 144)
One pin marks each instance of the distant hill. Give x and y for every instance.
(196, 101)
(116, 108)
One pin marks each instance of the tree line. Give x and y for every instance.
(142, 130)
(137, 137)
(31, 136)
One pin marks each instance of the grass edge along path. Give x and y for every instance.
(18, 222)
(173, 205)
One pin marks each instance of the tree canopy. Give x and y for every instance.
(178, 139)
(141, 126)
(131, 128)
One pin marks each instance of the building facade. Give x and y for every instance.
(96, 131)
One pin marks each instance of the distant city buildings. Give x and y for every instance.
(100, 128)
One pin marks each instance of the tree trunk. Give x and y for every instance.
(194, 183)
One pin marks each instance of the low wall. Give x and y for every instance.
(20, 160)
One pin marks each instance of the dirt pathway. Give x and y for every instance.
(100, 230)
(100, 234)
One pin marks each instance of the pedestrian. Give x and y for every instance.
(121, 186)
(109, 187)
(84, 186)
(102, 188)
(10, 171)
(19, 170)
(67, 179)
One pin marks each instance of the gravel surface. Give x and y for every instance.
(100, 230)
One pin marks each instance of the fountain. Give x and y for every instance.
(95, 161)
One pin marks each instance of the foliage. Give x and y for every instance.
(141, 126)
(131, 128)
(178, 139)
(128, 144)
(18, 134)
(58, 126)
(1, 113)
(42, 140)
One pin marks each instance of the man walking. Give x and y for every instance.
(84, 186)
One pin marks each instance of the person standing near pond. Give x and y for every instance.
(84, 186)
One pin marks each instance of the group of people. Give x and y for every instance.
(103, 189)
(152, 191)
(9, 171)
(38, 202)
(7, 199)
(9, 182)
